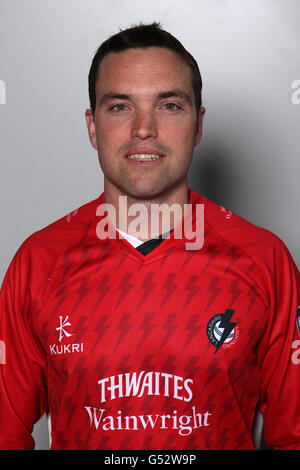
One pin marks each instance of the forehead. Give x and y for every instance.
(141, 69)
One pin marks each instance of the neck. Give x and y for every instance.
(144, 217)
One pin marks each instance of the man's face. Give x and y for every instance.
(145, 124)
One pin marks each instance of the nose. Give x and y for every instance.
(144, 125)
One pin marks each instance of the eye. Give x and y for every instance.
(117, 108)
(171, 106)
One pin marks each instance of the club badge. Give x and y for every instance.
(221, 330)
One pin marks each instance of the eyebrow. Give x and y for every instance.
(114, 96)
(162, 95)
(175, 94)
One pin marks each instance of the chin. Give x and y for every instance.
(142, 194)
(144, 191)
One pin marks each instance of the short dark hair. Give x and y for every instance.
(143, 36)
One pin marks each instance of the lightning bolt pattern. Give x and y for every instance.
(139, 346)
(125, 286)
(103, 289)
(147, 327)
(169, 327)
(170, 287)
(213, 290)
(147, 286)
(81, 292)
(192, 287)
(234, 291)
(124, 326)
(193, 329)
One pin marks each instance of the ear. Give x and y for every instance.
(89, 117)
(200, 120)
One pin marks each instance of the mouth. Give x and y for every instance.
(144, 157)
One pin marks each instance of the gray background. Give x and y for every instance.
(248, 160)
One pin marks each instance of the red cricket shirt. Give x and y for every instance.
(172, 350)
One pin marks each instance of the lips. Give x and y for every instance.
(144, 154)
(144, 157)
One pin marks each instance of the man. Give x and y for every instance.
(128, 333)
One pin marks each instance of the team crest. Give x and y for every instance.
(221, 330)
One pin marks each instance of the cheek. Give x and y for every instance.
(181, 142)
(180, 139)
(178, 131)
(110, 133)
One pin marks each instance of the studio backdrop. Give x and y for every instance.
(248, 159)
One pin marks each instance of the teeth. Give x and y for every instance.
(143, 157)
